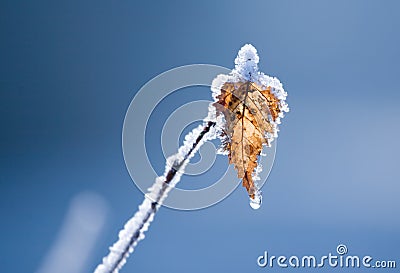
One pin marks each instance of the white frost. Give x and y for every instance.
(256, 202)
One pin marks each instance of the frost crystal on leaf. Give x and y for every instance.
(251, 105)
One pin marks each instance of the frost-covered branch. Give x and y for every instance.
(134, 229)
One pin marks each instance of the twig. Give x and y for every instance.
(134, 229)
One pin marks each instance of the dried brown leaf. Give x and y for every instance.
(247, 109)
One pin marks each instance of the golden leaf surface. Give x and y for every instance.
(248, 110)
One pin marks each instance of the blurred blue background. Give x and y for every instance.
(69, 70)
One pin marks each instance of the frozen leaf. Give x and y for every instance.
(247, 109)
(251, 105)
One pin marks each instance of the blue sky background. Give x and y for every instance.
(69, 70)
